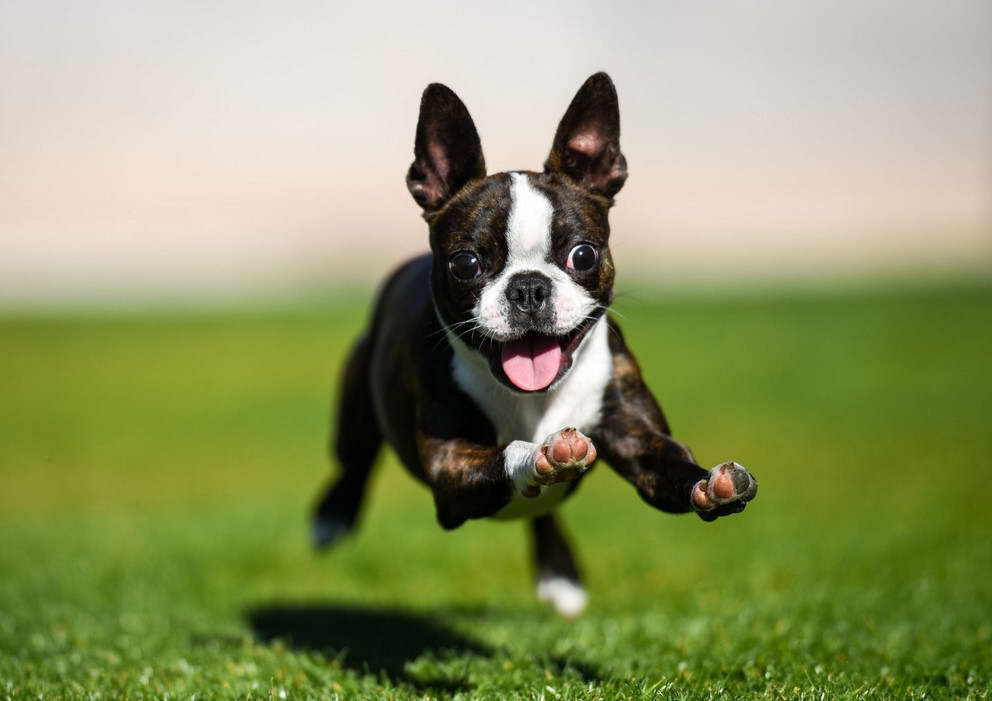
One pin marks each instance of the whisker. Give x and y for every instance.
(609, 327)
(459, 331)
(446, 327)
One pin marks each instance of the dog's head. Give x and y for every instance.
(522, 266)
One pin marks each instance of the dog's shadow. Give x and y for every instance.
(374, 640)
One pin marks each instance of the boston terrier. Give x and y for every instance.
(491, 365)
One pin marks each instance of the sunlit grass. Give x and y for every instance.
(156, 471)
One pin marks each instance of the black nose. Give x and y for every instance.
(528, 292)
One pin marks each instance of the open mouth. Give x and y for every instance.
(534, 361)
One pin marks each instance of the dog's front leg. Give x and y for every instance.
(667, 477)
(634, 439)
(470, 480)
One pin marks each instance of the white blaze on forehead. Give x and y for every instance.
(528, 248)
(528, 231)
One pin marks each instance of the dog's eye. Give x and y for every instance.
(465, 265)
(582, 257)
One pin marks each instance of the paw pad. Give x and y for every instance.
(565, 455)
(728, 483)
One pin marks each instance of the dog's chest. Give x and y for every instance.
(576, 401)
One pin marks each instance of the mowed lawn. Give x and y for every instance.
(156, 471)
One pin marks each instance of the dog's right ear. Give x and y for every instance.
(447, 152)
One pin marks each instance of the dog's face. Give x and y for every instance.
(522, 266)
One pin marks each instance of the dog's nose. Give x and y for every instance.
(528, 292)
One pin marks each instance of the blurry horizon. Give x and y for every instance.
(176, 150)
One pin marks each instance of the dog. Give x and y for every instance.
(491, 365)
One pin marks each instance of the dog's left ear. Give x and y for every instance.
(447, 152)
(587, 144)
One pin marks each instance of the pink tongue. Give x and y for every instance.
(532, 362)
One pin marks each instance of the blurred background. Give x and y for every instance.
(169, 150)
(197, 200)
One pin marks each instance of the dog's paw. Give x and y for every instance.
(327, 532)
(565, 595)
(563, 456)
(727, 490)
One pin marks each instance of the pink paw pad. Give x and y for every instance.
(565, 455)
(727, 483)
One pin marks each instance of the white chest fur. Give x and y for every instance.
(575, 400)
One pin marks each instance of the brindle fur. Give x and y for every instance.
(398, 385)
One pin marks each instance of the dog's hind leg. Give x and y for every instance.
(558, 579)
(356, 444)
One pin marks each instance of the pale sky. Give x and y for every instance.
(180, 148)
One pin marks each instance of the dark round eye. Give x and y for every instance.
(465, 265)
(582, 257)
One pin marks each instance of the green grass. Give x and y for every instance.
(156, 470)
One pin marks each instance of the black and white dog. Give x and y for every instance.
(491, 366)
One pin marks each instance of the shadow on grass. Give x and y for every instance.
(376, 640)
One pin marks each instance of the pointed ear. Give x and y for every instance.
(447, 152)
(587, 144)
